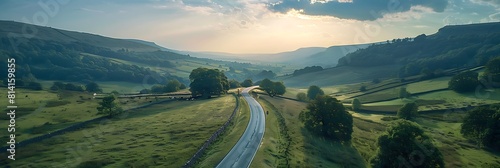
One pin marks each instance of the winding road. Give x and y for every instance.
(242, 154)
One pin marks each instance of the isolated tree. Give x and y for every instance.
(403, 93)
(408, 111)
(464, 82)
(301, 96)
(482, 125)
(356, 104)
(247, 83)
(108, 107)
(234, 84)
(405, 144)
(314, 91)
(326, 116)
(207, 82)
(173, 86)
(93, 87)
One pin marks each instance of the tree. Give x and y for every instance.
(362, 88)
(356, 104)
(234, 84)
(247, 83)
(157, 88)
(326, 116)
(403, 93)
(405, 144)
(482, 125)
(314, 91)
(272, 88)
(183, 86)
(207, 82)
(279, 88)
(492, 71)
(93, 87)
(108, 107)
(173, 86)
(464, 82)
(301, 97)
(73, 87)
(408, 111)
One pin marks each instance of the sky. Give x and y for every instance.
(252, 26)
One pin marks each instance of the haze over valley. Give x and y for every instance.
(247, 83)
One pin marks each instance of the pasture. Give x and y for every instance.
(159, 135)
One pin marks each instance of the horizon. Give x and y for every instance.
(252, 26)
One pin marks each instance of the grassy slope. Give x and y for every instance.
(160, 135)
(341, 75)
(41, 112)
(218, 150)
(306, 150)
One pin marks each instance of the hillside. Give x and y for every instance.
(290, 57)
(54, 54)
(10, 29)
(331, 55)
(451, 47)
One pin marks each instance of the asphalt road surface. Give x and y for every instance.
(242, 154)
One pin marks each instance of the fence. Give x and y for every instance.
(73, 127)
(212, 138)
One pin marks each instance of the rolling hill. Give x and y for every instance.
(52, 54)
(451, 47)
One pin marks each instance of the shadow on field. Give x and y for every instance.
(322, 152)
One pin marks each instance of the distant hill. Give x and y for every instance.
(451, 47)
(282, 57)
(15, 30)
(331, 55)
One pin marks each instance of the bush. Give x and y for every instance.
(327, 117)
(314, 91)
(482, 125)
(408, 111)
(401, 145)
(464, 82)
(356, 104)
(362, 88)
(301, 97)
(403, 93)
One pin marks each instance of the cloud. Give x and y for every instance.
(355, 9)
(495, 17)
(495, 3)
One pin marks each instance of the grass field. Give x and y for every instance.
(271, 151)
(428, 85)
(216, 152)
(457, 151)
(306, 150)
(160, 135)
(41, 112)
